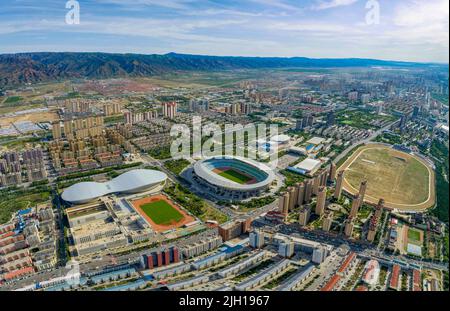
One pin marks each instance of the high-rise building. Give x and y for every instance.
(338, 188)
(199, 106)
(416, 112)
(374, 220)
(379, 109)
(56, 130)
(349, 225)
(327, 222)
(379, 208)
(323, 178)
(111, 109)
(306, 121)
(355, 206)
(316, 184)
(365, 98)
(308, 191)
(402, 124)
(283, 204)
(245, 108)
(231, 230)
(332, 172)
(321, 200)
(170, 109)
(286, 248)
(136, 117)
(301, 194)
(319, 255)
(303, 217)
(330, 118)
(257, 239)
(293, 197)
(353, 96)
(371, 234)
(362, 192)
(299, 124)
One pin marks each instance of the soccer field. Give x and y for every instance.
(414, 236)
(161, 212)
(404, 181)
(235, 176)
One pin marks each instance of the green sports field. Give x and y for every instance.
(235, 176)
(414, 236)
(161, 212)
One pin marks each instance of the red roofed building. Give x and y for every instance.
(394, 282)
(346, 264)
(416, 281)
(362, 288)
(331, 284)
(15, 274)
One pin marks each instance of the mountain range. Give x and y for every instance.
(16, 69)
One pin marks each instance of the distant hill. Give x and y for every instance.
(16, 69)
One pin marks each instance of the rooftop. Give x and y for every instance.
(130, 182)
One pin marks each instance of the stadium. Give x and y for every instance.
(234, 177)
(134, 181)
(162, 213)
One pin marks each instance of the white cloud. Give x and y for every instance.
(417, 13)
(422, 22)
(277, 3)
(171, 4)
(323, 5)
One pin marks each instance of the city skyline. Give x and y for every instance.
(405, 31)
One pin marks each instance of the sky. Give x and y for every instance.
(407, 30)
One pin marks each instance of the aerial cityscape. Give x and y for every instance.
(267, 153)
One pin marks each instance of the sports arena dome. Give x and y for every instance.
(130, 182)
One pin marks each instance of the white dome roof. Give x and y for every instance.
(129, 182)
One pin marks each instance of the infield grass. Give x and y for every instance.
(161, 212)
(392, 175)
(235, 176)
(414, 236)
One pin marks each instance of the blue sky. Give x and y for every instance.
(411, 30)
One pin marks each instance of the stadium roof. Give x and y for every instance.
(130, 182)
(202, 169)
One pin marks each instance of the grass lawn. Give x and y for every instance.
(194, 204)
(414, 235)
(13, 99)
(161, 212)
(235, 176)
(176, 166)
(397, 177)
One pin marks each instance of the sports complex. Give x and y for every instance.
(134, 181)
(234, 176)
(404, 180)
(161, 212)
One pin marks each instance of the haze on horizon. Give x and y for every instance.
(408, 30)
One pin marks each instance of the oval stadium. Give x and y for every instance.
(233, 176)
(130, 182)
